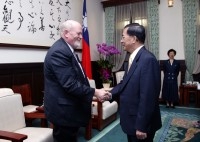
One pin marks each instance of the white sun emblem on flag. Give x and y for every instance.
(85, 22)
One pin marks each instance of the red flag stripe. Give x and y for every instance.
(86, 61)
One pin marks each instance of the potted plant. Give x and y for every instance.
(104, 62)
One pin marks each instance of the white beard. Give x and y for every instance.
(77, 44)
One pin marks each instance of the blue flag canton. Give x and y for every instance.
(85, 27)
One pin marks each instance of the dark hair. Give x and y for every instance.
(199, 52)
(135, 29)
(171, 50)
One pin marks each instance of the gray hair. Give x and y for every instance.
(67, 25)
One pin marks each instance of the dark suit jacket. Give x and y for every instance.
(68, 97)
(170, 83)
(139, 94)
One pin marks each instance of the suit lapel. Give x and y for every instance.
(133, 67)
(75, 60)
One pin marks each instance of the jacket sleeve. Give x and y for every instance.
(64, 66)
(149, 94)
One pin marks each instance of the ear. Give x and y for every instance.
(66, 33)
(134, 39)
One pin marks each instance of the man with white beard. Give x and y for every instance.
(68, 95)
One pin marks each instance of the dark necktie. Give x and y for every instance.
(79, 62)
(130, 62)
(77, 59)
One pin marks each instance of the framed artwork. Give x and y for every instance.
(33, 23)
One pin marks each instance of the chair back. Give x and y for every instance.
(11, 110)
(6, 91)
(119, 76)
(25, 91)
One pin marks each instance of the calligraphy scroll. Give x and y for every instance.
(33, 22)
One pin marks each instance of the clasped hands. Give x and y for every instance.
(102, 95)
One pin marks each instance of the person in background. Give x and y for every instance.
(68, 95)
(139, 90)
(171, 69)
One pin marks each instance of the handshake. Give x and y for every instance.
(102, 95)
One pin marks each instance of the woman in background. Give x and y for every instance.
(171, 69)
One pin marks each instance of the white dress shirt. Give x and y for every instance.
(132, 56)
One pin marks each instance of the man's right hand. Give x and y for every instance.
(102, 95)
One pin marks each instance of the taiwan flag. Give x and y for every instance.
(86, 61)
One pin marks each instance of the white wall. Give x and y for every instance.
(171, 29)
(171, 34)
(21, 55)
(95, 26)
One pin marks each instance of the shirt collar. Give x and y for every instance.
(132, 56)
(72, 49)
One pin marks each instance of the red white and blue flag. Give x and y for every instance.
(86, 61)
